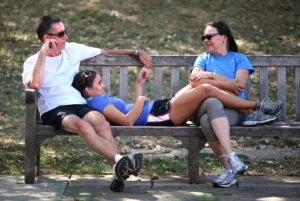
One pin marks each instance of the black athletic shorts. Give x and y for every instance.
(159, 114)
(55, 116)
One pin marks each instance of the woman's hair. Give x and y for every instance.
(223, 29)
(45, 25)
(84, 78)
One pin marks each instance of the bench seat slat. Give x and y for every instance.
(277, 129)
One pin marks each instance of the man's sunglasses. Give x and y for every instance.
(60, 34)
(208, 37)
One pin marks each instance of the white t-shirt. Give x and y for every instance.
(57, 89)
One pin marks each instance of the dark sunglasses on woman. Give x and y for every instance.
(209, 36)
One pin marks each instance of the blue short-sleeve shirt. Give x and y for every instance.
(226, 65)
(100, 102)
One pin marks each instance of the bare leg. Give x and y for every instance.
(188, 100)
(222, 130)
(98, 142)
(220, 152)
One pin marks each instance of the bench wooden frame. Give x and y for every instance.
(190, 135)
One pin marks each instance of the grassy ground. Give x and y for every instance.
(157, 26)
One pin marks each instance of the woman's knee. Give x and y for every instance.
(213, 103)
(208, 90)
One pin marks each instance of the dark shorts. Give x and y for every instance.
(54, 117)
(159, 114)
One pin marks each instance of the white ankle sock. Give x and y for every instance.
(231, 154)
(117, 157)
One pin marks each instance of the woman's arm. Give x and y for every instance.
(140, 81)
(112, 114)
(235, 85)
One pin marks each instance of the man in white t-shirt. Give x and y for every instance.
(51, 72)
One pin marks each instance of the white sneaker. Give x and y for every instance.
(237, 165)
(226, 179)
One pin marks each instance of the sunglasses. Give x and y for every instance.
(208, 37)
(60, 34)
(87, 74)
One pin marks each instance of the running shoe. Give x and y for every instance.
(226, 179)
(257, 117)
(271, 108)
(237, 165)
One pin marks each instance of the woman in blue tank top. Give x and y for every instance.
(174, 111)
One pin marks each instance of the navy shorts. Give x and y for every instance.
(55, 116)
(159, 114)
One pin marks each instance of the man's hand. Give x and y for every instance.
(145, 59)
(49, 45)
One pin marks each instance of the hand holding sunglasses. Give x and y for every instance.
(209, 36)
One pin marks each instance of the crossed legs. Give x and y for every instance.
(188, 99)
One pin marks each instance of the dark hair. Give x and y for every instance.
(223, 29)
(84, 78)
(45, 25)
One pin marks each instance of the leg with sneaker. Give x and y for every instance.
(215, 124)
(124, 167)
(265, 112)
(96, 132)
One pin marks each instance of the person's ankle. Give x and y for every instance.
(117, 157)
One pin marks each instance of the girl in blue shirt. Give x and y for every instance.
(174, 111)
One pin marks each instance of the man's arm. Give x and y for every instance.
(37, 77)
(143, 56)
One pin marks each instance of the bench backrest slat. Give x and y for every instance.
(158, 83)
(175, 80)
(297, 87)
(281, 92)
(247, 90)
(106, 78)
(123, 83)
(263, 82)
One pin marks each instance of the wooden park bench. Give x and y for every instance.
(190, 135)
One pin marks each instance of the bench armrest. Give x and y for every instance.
(31, 96)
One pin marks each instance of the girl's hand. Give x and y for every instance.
(142, 76)
(143, 98)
